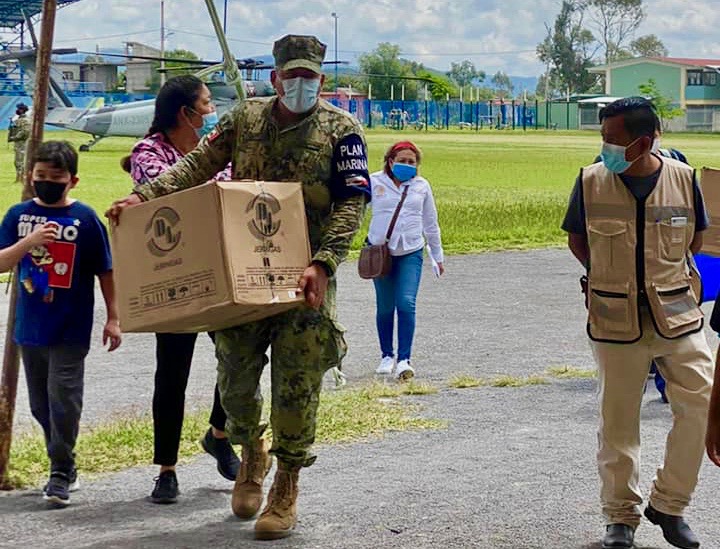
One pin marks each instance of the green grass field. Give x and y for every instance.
(495, 190)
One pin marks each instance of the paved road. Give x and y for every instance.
(514, 468)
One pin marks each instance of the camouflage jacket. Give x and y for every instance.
(325, 151)
(19, 130)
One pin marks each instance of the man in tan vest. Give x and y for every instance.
(634, 221)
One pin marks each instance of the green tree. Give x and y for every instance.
(465, 73)
(178, 57)
(439, 87)
(567, 51)
(649, 46)
(383, 66)
(356, 82)
(664, 106)
(503, 84)
(614, 23)
(121, 83)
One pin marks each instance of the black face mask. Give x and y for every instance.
(49, 192)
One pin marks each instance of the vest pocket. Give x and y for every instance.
(609, 307)
(607, 240)
(672, 241)
(674, 306)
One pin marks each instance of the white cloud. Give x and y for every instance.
(494, 34)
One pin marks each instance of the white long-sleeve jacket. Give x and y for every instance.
(417, 221)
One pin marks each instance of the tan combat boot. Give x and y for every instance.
(280, 514)
(247, 493)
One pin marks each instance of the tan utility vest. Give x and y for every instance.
(671, 286)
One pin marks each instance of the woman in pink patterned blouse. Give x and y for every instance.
(184, 113)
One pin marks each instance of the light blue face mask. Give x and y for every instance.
(301, 94)
(210, 120)
(613, 156)
(404, 172)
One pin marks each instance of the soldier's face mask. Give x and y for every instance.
(301, 94)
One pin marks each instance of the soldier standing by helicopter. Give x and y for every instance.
(18, 134)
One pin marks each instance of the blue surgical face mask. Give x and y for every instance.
(404, 172)
(301, 94)
(210, 120)
(613, 156)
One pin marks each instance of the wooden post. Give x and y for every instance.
(10, 366)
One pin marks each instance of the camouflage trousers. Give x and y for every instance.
(304, 344)
(20, 147)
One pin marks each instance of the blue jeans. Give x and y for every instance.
(398, 292)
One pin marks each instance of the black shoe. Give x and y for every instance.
(618, 535)
(57, 490)
(166, 488)
(228, 464)
(74, 482)
(675, 530)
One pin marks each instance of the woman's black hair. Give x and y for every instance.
(176, 93)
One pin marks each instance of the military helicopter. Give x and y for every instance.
(134, 119)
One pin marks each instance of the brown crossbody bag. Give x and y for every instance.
(375, 259)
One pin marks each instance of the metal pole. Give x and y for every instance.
(427, 114)
(8, 381)
(225, 19)
(370, 111)
(162, 42)
(335, 16)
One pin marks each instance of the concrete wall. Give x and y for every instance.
(624, 81)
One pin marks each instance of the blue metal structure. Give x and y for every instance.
(11, 11)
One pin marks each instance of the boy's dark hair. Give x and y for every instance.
(59, 154)
(639, 116)
(176, 93)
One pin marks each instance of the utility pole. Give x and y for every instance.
(10, 367)
(225, 19)
(335, 16)
(162, 42)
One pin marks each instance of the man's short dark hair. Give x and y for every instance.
(59, 154)
(639, 116)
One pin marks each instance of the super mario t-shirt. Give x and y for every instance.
(56, 282)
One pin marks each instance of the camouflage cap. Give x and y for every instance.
(295, 51)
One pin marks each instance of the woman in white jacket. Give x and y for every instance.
(416, 223)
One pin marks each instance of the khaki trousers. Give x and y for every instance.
(686, 364)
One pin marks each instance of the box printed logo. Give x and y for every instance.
(163, 231)
(263, 224)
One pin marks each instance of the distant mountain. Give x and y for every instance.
(520, 83)
(524, 83)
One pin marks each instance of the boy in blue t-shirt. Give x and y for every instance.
(60, 246)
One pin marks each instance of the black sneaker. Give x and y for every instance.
(228, 464)
(72, 478)
(166, 488)
(57, 490)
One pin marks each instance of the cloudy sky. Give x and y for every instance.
(494, 34)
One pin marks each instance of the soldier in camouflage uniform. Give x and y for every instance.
(18, 134)
(292, 137)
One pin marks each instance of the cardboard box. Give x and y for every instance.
(710, 184)
(210, 257)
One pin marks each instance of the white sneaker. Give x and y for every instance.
(404, 371)
(386, 366)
